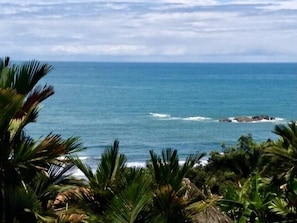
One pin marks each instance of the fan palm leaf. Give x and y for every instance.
(128, 205)
(10, 103)
(106, 180)
(170, 200)
(28, 75)
(7, 73)
(23, 159)
(39, 155)
(283, 153)
(32, 101)
(167, 169)
(288, 134)
(24, 206)
(112, 164)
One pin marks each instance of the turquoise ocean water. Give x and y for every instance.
(160, 105)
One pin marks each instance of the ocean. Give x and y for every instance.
(154, 106)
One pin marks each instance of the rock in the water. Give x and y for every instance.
(243, 119)
(225, 120)
(262, 117)
(248, 119)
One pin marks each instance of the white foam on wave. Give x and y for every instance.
(196, 118)
(80, 175)
(83, 157)
(136, 164)
(143, 164)
(276, 120)
(160, 115)
(169, 117)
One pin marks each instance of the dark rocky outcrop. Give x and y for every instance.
(248, 119)
(262, 117)
(225, 120)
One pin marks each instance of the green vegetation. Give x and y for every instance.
(248, 182)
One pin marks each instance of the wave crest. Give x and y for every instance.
(164, 116)
(196, 118)
(169, 117)
(160, 115)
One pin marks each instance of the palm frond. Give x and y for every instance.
(7, 73)
(53, 147)
(288, 133)
(112, 164)
(10, 104)
(29, 154)
(21, 204)
(190, 162)
(168, 205)
(84, 168)
(281, 207)
(129, 203)
(167, 169)
(33, 99)
(28, 75)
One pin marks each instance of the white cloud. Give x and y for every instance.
(99, 49)
(192, 2)
(146, 30)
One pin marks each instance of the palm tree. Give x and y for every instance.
(23, 158)
(132, 203)
(283, 153)
(283, 165)
(175, 199)
(103, 183)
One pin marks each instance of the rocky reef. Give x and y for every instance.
(248, 118)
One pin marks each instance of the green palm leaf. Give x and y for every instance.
(167, 169)
(280, 206)
(106, 181)
(10, 103)
(7, 73)
(128, 205)
(24, 206)
(28, 75)
(30, 168)
(111, 167)
(84, 168)
(33, 99)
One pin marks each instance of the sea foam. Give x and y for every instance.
(169, 117)
(160, 115)
(197, 118)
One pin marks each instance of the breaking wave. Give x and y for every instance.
(164, 116)
(169, 117)
(160, 115)
(196, 118)
(79, 174)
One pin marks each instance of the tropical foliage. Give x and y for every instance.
(248, 182)
(28, 167)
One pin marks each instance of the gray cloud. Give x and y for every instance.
(144, 30)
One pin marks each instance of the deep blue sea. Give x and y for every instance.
(153, 106)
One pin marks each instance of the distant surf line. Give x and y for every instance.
(165, 116)
(170, 117)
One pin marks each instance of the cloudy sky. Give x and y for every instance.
(149, 30)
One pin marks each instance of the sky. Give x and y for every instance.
(149, 30)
